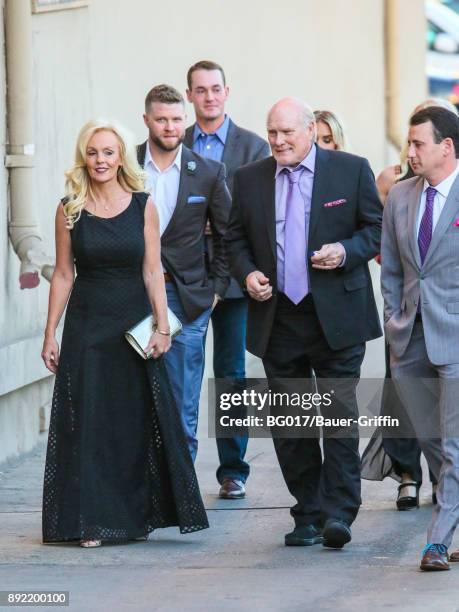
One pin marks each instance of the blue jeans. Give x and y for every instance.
(185, 366)
(229, 320)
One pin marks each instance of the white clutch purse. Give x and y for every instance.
(139, 335)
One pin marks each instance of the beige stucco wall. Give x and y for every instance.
(60, 103)
(329, 52)
(406, 84)
(102, 59)
(23, 390)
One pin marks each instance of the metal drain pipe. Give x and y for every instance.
(23, 228)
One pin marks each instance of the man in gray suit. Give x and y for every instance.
(420, 285)
(215, 136)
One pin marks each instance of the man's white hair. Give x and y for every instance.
(297, 103)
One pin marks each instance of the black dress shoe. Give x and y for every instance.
(408, 496)
(304, 535)
(435, 558)
(336, 533)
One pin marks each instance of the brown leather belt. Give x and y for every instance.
(167, 277)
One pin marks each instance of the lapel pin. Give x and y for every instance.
(191, 167)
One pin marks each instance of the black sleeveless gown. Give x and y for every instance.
(117, 464)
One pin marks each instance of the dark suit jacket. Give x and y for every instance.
(343, 297)
(182, 243)
(241, 147)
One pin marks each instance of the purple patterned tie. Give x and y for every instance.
(295, 265)
(425, 229)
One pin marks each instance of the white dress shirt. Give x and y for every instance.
(163, 186)
(443, 190)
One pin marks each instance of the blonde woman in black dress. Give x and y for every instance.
(117, 463)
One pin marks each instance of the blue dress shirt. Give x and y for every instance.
(211, 145)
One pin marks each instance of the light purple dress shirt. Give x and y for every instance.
(282, 183)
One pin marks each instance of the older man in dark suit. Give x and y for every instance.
(188, 191)
(303, 225)
(215, 136)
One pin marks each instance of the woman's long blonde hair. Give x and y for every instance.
(78, 186)
(336, 128)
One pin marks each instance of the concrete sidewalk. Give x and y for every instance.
(240, 563)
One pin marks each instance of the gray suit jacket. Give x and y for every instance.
(404, 281)
(242, 147)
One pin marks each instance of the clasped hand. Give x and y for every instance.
(329, 257)
(258, 286)
(159, 344)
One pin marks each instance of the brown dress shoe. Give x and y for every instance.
(454, 556)
(232, 489)
(435, 558)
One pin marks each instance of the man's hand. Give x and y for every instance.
(258, 286)
(329, 257)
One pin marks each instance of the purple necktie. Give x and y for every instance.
(295, 266)
(425, 229)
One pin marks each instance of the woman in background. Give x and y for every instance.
(117, 464)
(330, 131)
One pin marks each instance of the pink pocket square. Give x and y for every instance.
(456, 223)
(335, 203)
